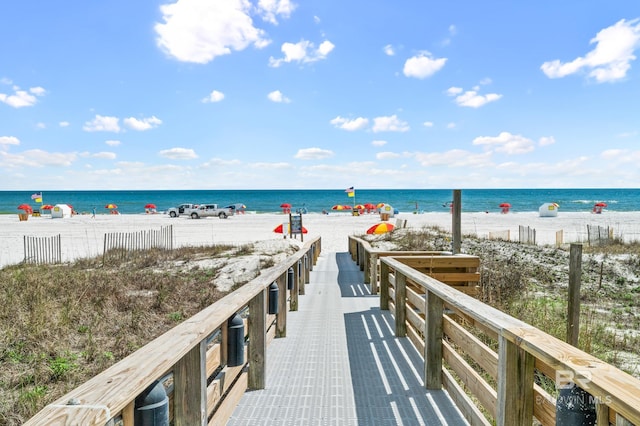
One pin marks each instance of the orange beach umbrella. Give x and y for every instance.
(110, 206)
(380, 228)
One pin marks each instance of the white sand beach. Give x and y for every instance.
(83, 236)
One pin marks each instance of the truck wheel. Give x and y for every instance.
(222, 215)
(194, 215)
(173, 214)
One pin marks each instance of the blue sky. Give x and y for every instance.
(320, 94)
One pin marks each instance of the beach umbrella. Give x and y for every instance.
(26, 207)
(47, 207)
(150, 206)
(340, 207)
(285, 205)
(601, 204)
(505, 207)
(359, 207)
(380, 228)
(110, 206)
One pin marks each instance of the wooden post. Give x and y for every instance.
(257, 326)
(401, 305)
(573, 305)
(456, 224)
(281, 320)
(515, 385)
(299, 277)
(433, 342)
(366, 265)
(190, 388)
(384, 286)
(373, 273)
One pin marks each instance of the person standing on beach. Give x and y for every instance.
(93, 215)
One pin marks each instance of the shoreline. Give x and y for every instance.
(83, 236)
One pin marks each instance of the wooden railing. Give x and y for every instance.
(191, 359)
(493, 366)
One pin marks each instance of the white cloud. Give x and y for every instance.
(506, 143)
(37, 158)
(454, 158)
(277, 96)
(221, 162)
(350, 125)
(64, 124)
(389, 124)
(302, 52)
(102, 124)
(389, 50)
(378, 143)
(546, 140)
(609, 60)
(22, 98)
(269, 9)
(143, 124)
(41, 125)
(200, 30)
(314, 154)
(423, 65)
(104, 155)
(269, 166)
(178, 154)
(471, 98)
(451, 125)
(8, 140)
(387, 155)
(214, 96)
(428, 124)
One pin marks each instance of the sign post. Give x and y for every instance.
(295, 225)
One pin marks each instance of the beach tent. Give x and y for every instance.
(60, 211)
(548, 210)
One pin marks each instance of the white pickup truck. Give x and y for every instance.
(197, 211)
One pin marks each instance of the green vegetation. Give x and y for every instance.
(62, 324)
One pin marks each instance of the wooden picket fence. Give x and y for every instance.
(118, 245)
(42, 250)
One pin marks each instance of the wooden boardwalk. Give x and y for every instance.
(340, 363)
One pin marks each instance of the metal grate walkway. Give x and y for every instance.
(340, 363)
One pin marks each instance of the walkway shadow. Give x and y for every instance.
(386, 372)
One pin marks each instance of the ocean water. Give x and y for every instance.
(315, 201)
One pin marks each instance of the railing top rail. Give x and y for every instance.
(109, 392)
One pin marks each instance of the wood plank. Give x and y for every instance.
(486, 358)
(477, 386)
(544, 407)
(416, 339)
(257, 327)
(456, 277)
(433, 342)
(416, 300)
(190, 388)
(213, 359)
(231, 400)
(515, 384)
(415, 320)
(384, 286)
(468, 409)
(400, 302)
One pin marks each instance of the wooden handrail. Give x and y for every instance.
(522, 348)
(182, 349)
